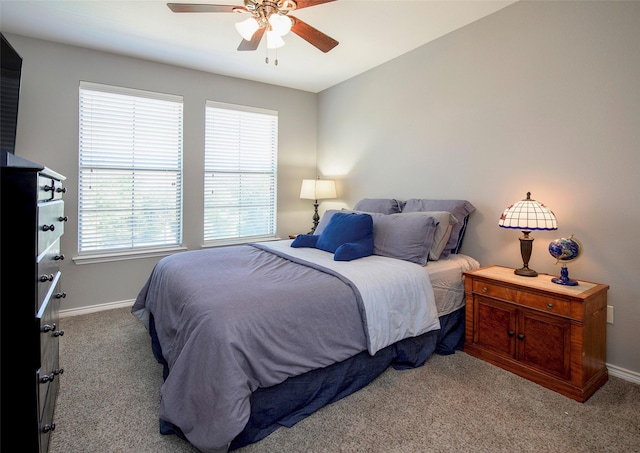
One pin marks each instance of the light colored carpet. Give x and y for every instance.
(109, 396)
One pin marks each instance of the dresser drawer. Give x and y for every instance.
(527, 299)
(49, 188)
(47, 393)
(48, 267)
(48, 324)
(51, 222)
(49, 372)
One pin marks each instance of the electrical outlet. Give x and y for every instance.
(609, 314)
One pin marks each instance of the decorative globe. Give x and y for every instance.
(565, 250)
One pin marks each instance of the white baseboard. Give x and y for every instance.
(625, 374)
(95, 308)
(622, 373)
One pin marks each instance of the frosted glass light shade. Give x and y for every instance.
(274, 40)
(318, 189)
(247, 28)
(280, 24)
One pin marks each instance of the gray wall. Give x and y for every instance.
(541, 97)
(48, 134)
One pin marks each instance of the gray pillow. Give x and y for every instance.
(445, 222)
(381, 205)
(405, 237)
(460, 210)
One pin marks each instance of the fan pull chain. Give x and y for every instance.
(266, 58)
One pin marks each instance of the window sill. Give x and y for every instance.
(239, 241)
(122, 256)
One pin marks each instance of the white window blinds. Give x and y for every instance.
(241, 155)
(130, 169)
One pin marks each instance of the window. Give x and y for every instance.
(130, 170)
(241, 154)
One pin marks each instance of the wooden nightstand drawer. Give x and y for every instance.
(530, 300)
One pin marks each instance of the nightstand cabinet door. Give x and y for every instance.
(496, 326)
(544, 342)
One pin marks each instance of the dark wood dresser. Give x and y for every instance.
(32, 223)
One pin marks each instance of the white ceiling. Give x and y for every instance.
(370, 33)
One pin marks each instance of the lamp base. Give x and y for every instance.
(564, 278)
(525, 272)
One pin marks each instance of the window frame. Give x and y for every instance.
(244, 112)
(153, 166)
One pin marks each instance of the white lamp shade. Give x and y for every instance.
(247, 28)
(318, 189)
(280, 24)
(528, 215)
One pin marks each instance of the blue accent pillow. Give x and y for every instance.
(346, 227)
(305, 240)
(352, 251)
(347, 235)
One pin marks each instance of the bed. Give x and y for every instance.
(254, 337)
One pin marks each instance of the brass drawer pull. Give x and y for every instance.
(549, 305)
(485, 289)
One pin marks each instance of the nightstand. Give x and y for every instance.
(551, 334)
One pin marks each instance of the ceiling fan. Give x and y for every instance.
(267, 16)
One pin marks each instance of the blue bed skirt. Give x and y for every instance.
(298, 397)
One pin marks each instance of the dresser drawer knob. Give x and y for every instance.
(48, 227)
(47, 378)
(485, 289)
(46, 278)
(47, 328)
(63, 218)
(48, 188)
(60, 295)
(58, 333)
(48, 427)
(511, 333)
(61, 189)
(520, 336)
(59, 257)
(549, 305)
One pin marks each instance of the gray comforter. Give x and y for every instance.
(233, 319)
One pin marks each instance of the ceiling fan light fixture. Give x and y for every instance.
(274, 40)
(280, 24)
(247, 28)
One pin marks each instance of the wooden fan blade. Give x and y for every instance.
(307, 3)
(255, 40)
(202, 8)
(312, 35)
